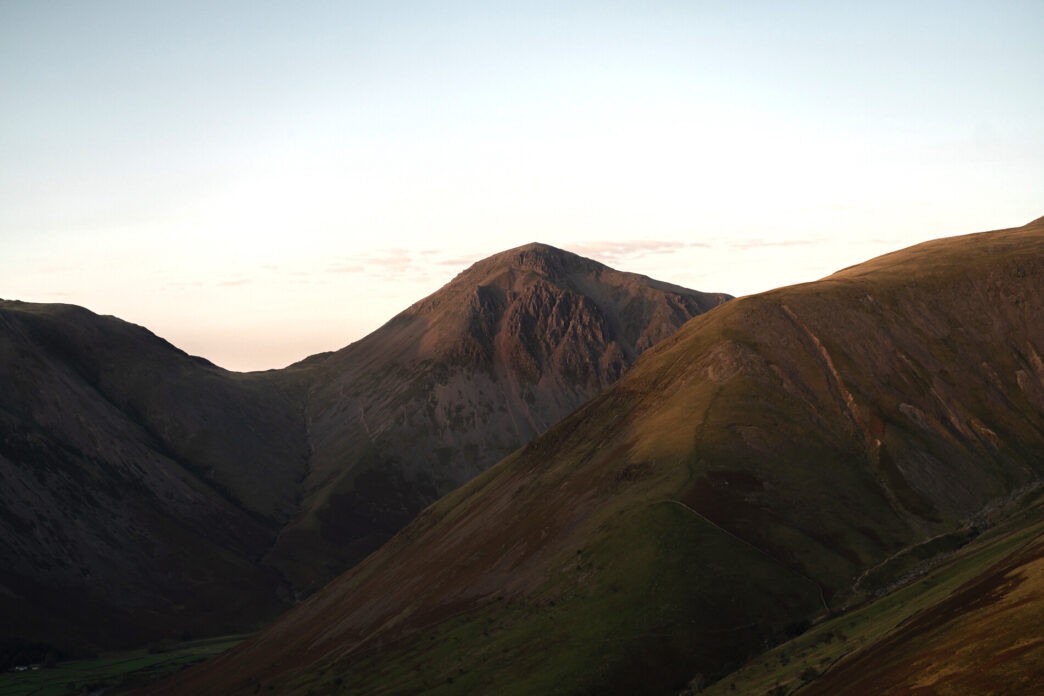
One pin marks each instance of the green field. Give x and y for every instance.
(114, 672)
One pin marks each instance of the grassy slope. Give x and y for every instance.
(621, 613)
(835, 655)
(579, 595)
(983, 637)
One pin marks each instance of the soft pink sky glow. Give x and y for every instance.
(257, 183)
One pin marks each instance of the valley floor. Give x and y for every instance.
(114, 673)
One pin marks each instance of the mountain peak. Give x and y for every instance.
(536, 257)
(462, 378)
(539, 247)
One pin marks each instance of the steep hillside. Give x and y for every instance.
(781, 457)
(141, 486)
(984, 637)
(962, 621)
(455, 383)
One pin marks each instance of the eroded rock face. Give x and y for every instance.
(458, 381)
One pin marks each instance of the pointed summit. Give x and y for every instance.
(539, 258)
(459, 380)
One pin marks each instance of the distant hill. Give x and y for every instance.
(777, 460)
(148, 493)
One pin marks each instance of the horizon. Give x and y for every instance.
(610, 250)
(257, 184)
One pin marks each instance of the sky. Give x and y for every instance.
(257, 182)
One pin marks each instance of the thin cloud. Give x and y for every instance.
(61, 269)
(234, 282)
(394, 259)
(460, 261)
(747, 244)
(614, 251)
(390, 262)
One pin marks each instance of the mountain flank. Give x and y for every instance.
(141, 485)
(778, 460)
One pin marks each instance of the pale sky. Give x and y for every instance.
(257, 182)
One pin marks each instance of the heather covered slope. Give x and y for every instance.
(455, 383)
(141, 486)
(778, 456)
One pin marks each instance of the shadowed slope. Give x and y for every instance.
(745, 474)
(140, 485)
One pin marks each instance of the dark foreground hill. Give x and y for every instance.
(147, 493)
(778, 459)
(141, 486)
